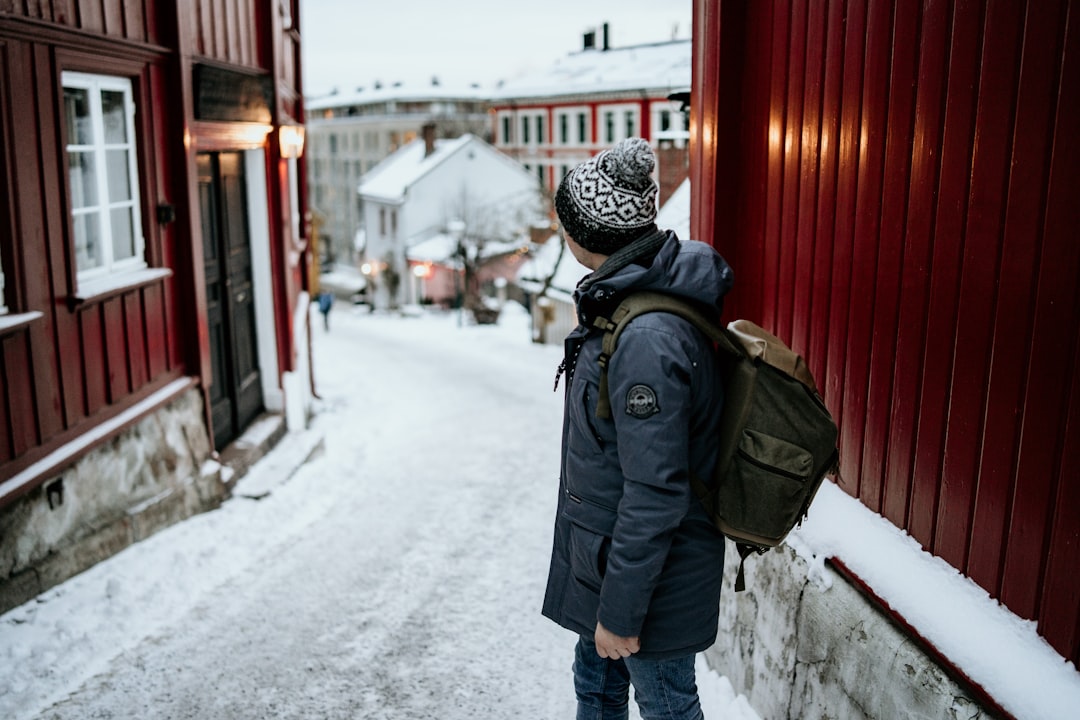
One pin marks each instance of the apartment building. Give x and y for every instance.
(348, 134)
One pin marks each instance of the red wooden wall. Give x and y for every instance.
(66, 364)
(896, 185)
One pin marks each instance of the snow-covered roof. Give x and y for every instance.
(398, 92)
(438, 248)
(675, 214)
(441, 248)
(657, 66)
(389, 180)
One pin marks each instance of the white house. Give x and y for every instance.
(464, 187)
(349, 133)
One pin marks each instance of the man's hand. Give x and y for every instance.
(610, 645)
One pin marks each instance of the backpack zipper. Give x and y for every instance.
(770, 468)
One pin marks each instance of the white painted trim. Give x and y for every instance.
(61, 457)
(258, 209)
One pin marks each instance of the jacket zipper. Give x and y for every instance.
(579, 500)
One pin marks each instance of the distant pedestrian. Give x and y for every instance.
(326, 300)
(636, 566)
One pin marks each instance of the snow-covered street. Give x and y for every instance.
(399, 574)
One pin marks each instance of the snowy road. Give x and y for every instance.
(398, 575)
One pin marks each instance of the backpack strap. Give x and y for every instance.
(726, 342)
(640, 303)
(745, 551)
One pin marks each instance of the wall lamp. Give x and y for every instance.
(291, 138)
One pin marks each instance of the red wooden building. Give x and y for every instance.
(152, 264)
(896, 185)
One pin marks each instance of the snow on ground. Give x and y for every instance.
(397, 575)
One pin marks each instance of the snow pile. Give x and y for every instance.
(993, 647)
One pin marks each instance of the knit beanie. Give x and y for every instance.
(610, 199)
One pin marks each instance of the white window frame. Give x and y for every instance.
(571, 113)
(109, 265)
(507, 128)
(529, 122)
(619, 110)
(679, 133)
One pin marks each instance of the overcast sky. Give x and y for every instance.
(352, 43)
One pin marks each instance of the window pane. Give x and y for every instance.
(123, 235)
(83, 180)
(77, 115)
(87, 241)
(116, 166)
(112, 113)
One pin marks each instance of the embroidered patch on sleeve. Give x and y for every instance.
(641, 402)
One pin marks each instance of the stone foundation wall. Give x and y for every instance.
(150, 476)
(802, 651)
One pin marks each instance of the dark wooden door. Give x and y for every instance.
(236, 390)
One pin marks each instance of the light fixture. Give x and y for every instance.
(291, 138)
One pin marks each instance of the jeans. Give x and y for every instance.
(664, 689)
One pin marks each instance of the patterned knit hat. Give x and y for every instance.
(609, 200)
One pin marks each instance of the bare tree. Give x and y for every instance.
(476, 226)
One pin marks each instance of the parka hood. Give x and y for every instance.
(688, 269)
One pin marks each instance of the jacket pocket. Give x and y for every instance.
(588, 556)
(583, 435)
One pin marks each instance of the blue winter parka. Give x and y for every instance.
(633, 547)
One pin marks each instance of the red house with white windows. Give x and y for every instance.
(551, 119)
(153, 265)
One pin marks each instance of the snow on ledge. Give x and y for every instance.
(987, 642)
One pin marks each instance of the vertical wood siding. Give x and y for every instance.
(907, 219)
(122, 19)
(59, 372)
(226, 30)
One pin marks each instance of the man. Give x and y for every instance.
(636, 564)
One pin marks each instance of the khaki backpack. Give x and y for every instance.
(777, 440)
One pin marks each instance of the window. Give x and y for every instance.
(582, 129)
(525, 131)
(564, 130)
(506, 129)
(107, 225)
(609, 127)
(540, 129)
(631, 124)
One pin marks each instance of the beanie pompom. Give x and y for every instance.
(631, 162)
